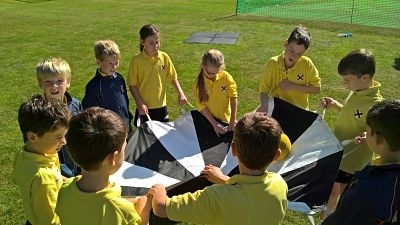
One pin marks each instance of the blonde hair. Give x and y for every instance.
(106, 48)
(53, 67)
(211, 58)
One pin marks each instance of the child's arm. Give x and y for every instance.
(159, 200)
(143, 207)
(286, 85)
(263, 102)
(232, 122)
(181, 95)
(328, 102)
(218, 128)
(141, 107)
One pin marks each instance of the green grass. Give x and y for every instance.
(33, 30)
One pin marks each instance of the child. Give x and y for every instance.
(290, 76)
(54, 78)
(43, 123)
(96, 141)
(373, 197)
(149, 71)
(357, 69)
(107, 89)
(252, 197)
(216, 92)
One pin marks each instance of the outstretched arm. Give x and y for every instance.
(328, 102)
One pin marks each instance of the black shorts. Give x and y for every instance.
(344, 177)
(158, 114)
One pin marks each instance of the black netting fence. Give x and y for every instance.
(377, 13)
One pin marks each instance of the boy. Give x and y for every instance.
(96, 142)
(43, 123)
(54, 78)
(373, 197)
(107, 89)
(357, 69)
(255, 196)
(290, 76)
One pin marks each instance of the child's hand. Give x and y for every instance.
(286, 85)
(157, 189)
(220, 129)
(328, 102)
(182, 98)
(232, 125)
(159, 198)
(214, 174)
(360, 139)
(143, 110)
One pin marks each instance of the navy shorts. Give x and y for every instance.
(344, 177)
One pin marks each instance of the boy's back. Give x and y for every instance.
(102, 207)
(373, 197)
(255, 196)
(243, 200)
(96, 142)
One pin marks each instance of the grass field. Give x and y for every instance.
(383, 13)
(33, 30)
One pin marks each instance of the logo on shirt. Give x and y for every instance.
(162, 67)
(358, 114)
(300, 77)
(223, 88)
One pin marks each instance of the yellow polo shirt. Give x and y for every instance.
(150, 76)
(303, 72)
(243, 200)
(39, 179)
(219, 92)
(352, 122)
(104, 207)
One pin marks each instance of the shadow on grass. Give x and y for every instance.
(396, 63)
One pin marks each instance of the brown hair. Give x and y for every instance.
(211, 58)
(384, 119)
(357, 62)
(256, 139)
(40, 115)
(106, 48)
(147, 31)
(94, 134)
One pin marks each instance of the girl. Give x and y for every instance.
(149, 71)
(216, 92)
